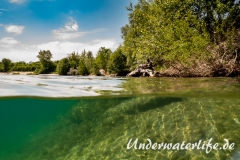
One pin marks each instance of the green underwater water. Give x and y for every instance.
(99, 128)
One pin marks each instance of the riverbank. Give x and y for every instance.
(24, 73)
(15, 73)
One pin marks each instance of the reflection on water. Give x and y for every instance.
(99, 128)
(56, 86)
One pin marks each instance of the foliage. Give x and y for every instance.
(82, 69)
(74, 59)
(103, 57)
(19, 66)
(89, 62)
(45, 60)
(174, 31)
(1, 67)
(6, 64)
(95, 69)
(23, 66)
(63, 66)
(166, 31)
(118, 63)
(219, 16)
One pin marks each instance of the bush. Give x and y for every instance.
(118, 63)
(63, 66)
(82, 69)
(6, 63)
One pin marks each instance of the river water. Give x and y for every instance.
(47, 117)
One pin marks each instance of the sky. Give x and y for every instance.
(61, 26)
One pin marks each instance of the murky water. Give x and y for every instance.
(101, 125)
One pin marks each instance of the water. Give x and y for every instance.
(87, 118)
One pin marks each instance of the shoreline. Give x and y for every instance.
(162, 74)
(23, 73)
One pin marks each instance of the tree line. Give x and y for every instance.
(84, 63)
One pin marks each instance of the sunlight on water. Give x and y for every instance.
(99, 128)
(56, 86)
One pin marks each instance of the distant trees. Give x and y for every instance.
(89, 62)
(63, 66)
(82, 69)
(73, 59)
(45, 60)
(118, 63)
(24, 66)
(19, 66)
(86, 64)
(83, 64)
(103, 57)
(6, 65)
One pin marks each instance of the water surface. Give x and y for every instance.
(106, 113)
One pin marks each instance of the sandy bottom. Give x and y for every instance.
(100, 130)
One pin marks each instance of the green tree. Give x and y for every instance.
(32, 66)
(163, 31)
(1, 66)
(63, 66)
(6, 64)
(95, 69)
(103, 57)
(19, 66)
(89, 61)
(74, 59)
(178, 31)
(82, 69)
(45, 61)
(219, 16)
(118, 63)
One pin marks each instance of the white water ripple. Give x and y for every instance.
(56, 86)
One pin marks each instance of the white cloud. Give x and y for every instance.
(14, 29)
(3, 9)
(61, 49)
(16, 1)
(7, 42)
(67, 35)
(21, 52)
(70, 31)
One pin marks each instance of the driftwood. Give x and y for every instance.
(142, 71)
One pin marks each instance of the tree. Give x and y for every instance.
(33, 66)
(163, 31)
(45, 61)
(82, 69)
(6, 64)
(74, 59)
(118, 63)
(63, 66)
(89, 61)
(176, 31)
(219, 16)
(19, 66)
(103, 57)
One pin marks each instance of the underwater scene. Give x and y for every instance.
(104, 118)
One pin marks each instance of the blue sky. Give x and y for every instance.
(61, 26)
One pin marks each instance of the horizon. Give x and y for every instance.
(28, 26)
